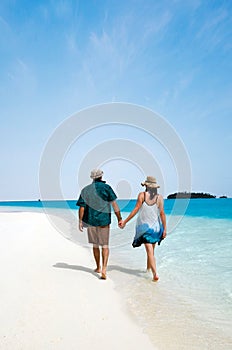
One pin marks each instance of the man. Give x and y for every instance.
(95, 213)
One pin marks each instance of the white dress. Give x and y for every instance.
(149, 228)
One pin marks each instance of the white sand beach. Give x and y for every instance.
(50, 297)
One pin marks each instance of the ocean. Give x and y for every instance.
(190, 307)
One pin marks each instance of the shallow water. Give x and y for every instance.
(191, 305)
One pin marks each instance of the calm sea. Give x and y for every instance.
(191, 305)
(220, 208)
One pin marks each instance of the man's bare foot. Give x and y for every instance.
(98, 270)
(155, 278)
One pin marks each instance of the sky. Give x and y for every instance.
(60, 57)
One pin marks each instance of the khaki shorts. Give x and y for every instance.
(99, 235)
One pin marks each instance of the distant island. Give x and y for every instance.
(190, 195)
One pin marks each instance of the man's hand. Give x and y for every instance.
(81, 225)
(81, 214)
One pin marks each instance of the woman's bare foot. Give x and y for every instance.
(103, 276)
(155, 278)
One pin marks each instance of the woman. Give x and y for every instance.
(151, 221)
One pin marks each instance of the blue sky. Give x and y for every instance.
(58, 57)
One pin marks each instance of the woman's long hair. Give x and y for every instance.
(152, 191)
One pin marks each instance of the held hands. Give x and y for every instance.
(121, 224)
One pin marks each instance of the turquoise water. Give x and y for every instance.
(191, 305)
(220, 208)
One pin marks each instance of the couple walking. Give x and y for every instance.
(95, 203)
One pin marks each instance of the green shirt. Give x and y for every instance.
(96, 198)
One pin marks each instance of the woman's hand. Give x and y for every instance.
(164, 233)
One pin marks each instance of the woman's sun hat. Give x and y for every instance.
(96, 173)
(150, 182)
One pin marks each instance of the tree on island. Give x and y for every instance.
(187, 195)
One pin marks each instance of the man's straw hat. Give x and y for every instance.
(96, 173)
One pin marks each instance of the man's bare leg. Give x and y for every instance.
(96, 253)
(105, 256)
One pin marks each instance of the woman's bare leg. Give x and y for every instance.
(151, 259)
(148, 263)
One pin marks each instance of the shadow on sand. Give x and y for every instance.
(122, 269)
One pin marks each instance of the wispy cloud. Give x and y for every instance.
(213, 22)
(183, 83)
(59, 9)
(115, 51)
(62, 8)
(44, 12)
(216, 30)
(22, 78)
(119, 45)
(72, 42)
(4, 23)
(154, 27)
